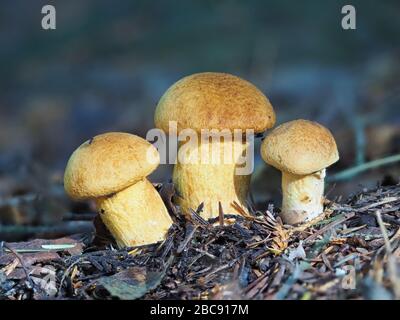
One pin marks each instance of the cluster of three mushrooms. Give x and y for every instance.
(111, 168)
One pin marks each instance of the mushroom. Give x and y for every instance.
(222, 104)
(301, 149)
(111, 168)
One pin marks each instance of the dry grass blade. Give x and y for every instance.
(221, 214)
(312, 222)
(333, 224)
(241, 211)
(197, 218)
(280, 236)
(391, 262)
(190, 230)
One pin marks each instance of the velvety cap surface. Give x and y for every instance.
(109, 163)
(300, 147)
(214, 101)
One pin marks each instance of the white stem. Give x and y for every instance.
(302, 196)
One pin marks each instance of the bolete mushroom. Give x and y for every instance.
(218, 103)
(111, 168)
(301, 149)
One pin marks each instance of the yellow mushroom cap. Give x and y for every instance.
(214, 101)
(300, 147)
(109, 163)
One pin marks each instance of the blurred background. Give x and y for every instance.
(108, 62)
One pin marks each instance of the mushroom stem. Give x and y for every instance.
(208, 175)
(136, 215)
(302, 196)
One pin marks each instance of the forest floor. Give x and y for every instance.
(351, 252)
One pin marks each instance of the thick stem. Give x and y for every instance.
(302, 196)
(136, 215)
(211, 175)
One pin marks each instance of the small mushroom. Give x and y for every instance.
(220, 103)
(302, 150)
(111, 168)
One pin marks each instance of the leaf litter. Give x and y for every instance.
(352, 252)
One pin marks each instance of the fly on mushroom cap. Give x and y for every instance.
(301, 149)
(112, 168)
(219, 102)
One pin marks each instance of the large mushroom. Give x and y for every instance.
(111, 168)
(302, 150)
(221, 103)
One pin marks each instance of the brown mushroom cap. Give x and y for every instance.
(109, 163)
(214, 101)
(300, 147)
